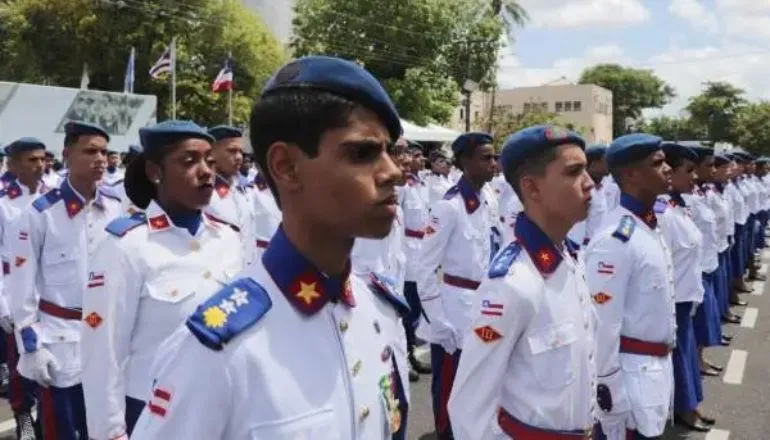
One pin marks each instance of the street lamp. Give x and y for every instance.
(469, 87)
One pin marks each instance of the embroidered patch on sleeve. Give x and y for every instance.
(487, 334)
(605, 268)
(602, 298)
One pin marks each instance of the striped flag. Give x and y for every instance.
(128, 81)
(164, 64)
(224, 80)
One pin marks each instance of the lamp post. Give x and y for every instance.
(468, 88)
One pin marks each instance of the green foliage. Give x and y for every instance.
(674, 129)
(506, 123)
(633, 90)
(752, 127)
(47, 41)
(445, 41)
(716, 109)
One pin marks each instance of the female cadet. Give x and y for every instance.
(686, 244)
(156, 267)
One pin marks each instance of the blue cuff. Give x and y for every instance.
(29, 339)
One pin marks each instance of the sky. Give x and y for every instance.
(685, 42)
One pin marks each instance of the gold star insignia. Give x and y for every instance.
(214, 317)
(545, 257)
(307, 292)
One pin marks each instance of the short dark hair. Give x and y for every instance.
(533, 166)
(295, 116)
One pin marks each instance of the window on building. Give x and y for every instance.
(476, 115)
(568, 106)
(462, 113)
(527, 107)
(543, 106)
(559, 106)
(577, 106)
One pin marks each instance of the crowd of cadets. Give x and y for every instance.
(565, 292)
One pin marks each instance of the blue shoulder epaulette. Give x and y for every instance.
(232, 310)
(47, 200)
(451, 192)
(572, 247)
(625, 228)
(121, 225)
(504, 259)
(108, 192)
(385, 288)
(660, 206)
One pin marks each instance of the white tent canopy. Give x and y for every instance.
(431, 133)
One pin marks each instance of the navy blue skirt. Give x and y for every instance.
(722, 285)
(688, 389)
(707, 322)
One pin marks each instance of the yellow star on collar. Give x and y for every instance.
(307, 292)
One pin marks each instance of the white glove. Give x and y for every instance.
(6, 324)
(39, 366)
(441, 330)
(615, 426)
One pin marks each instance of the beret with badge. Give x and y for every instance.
(24, 144)
(77, 129)
(166, 133)
(466, 141)
(631, 148)
(528, 142)
(221, 132)
(339, 77)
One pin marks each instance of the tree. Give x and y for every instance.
(48, 41)
(447, 40)
(751, 129)
(508, 123)
(674, 129)
(633, 90)
(717, 108)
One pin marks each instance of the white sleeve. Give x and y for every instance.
(437, 235)
(106, 340)
(24, 254)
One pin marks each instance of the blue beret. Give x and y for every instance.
(24, 144)
(721, 159)
(467, 140)
(632, 147)
(135, 149)
(740, 157)
(762, 160)
(169, 132)
(340, 77)
(702, 152)
(525, 143)
(672, 149)
(596, 151)
(49, 154)
(74, 128)
(224, 132)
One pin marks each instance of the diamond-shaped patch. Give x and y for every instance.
(487, 333)
(93, 320)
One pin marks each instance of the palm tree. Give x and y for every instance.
(513, 15)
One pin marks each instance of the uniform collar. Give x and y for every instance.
(636, 207)
(470, 196)
(677, 199)
(412, 179)
(158, 220)
(539, 247)
(74, 201)
(305, 287)
(7, 177)
(260, 182)
(222, 186)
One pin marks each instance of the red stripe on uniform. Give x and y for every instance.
(155, 409)
(48, 414)
(162, 394)
(447, 378)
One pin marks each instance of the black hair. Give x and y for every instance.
(633, 159)
(139, 189)
(295, 116)
(675, 160)
(534, 165)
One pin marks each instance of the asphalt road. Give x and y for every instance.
(739, 399)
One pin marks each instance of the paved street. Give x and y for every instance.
(740, 399)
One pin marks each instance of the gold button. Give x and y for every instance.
(194, 245)
(343, 326)
(364, 412)
(356, 367)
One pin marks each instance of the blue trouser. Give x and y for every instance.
(737, 255)
(688, 389)
(763, 215)
(722, 289)
(415, 310)
(707, 323)
(134, 409)
(444, 369)
(63, 413)
(21, 391)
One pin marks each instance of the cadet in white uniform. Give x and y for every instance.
(51, 178)
(26, 158)
(57, 238)
(527, 369)
(295, 347)
(267, 213)
(231, 201)
(722, 207)
(113, 173)
(437, 179)
(630, 276)
(582, 232)
(460, 240)
(152, 273)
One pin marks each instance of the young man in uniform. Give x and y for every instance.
(527, 367)
(232, 201)
(295, 347)
(26, 158)
(49, 273)
(630, 276)
(459, 239)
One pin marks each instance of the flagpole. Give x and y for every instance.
(173, 78)
(230, 93)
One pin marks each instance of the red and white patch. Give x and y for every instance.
(95, 279)
(605, 268)
(23, 235)
(160, 403)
